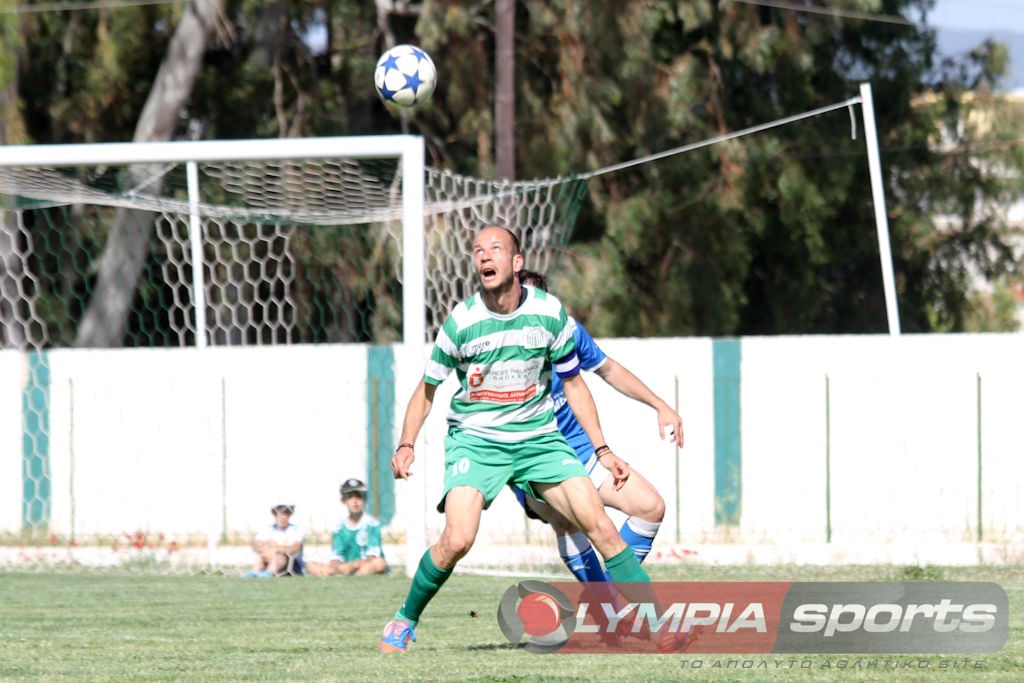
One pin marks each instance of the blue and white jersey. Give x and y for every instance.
(591, 358)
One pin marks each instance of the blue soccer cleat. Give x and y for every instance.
(397, 635)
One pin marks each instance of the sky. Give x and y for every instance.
(962, 24)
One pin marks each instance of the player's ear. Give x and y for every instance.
(517, 263)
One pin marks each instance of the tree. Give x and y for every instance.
(12, 131)
(103, 324)
(772, 233)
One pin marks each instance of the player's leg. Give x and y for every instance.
(314, 568)
(645, 507)
(578, 501)
(259, 565)
(463, 507)
(280, 564)
(549, 470)
(576, 551)
(475, 472)
(371, 565)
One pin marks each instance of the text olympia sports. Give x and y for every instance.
(766, 617)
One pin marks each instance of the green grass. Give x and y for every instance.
(103, 626)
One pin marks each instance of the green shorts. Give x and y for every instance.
(488, 466)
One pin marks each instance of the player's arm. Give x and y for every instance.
(415, 415)
(628, 384)
(264, 546)
(583, 407)
(263, 549)
(294, 546)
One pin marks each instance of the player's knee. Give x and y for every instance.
(563, 527)
(655, 509)
(600, 527)
(456, 543)
(645, 503)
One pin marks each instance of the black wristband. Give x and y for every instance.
(405, 444)
(603, 449)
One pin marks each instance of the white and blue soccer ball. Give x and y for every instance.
(405, 76)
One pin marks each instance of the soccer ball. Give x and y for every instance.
(405, 76)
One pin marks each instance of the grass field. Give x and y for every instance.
(110, 626)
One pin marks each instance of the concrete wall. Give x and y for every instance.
(813, 441)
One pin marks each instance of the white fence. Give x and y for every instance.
(851, 448)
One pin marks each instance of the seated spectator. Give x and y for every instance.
(278, 546)
(355, 543)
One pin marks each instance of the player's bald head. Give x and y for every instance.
(490, 231)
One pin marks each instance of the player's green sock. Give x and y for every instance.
(428, 580)
(624, 567)
(630, 578)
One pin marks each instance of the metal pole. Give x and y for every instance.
(195, 240)
(679, 535)
(981, 526)
(414, 331)
(878, 196)
(828, 459)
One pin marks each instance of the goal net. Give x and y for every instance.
(298, 241)
(267, 244)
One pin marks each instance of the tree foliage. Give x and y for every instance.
(770, 233)
(773, 232)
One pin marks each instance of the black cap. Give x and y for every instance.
(352, 486)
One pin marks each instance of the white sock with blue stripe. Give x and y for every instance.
(580, 557)
(639, 534)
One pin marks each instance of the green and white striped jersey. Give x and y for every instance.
(503, 363)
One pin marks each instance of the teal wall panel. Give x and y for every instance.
(727, 355)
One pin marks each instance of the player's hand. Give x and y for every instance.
(670, 425)
(401, 461)
(618, 468)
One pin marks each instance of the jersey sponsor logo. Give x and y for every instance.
(478, 347)
(514, 396)
(505, 381)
